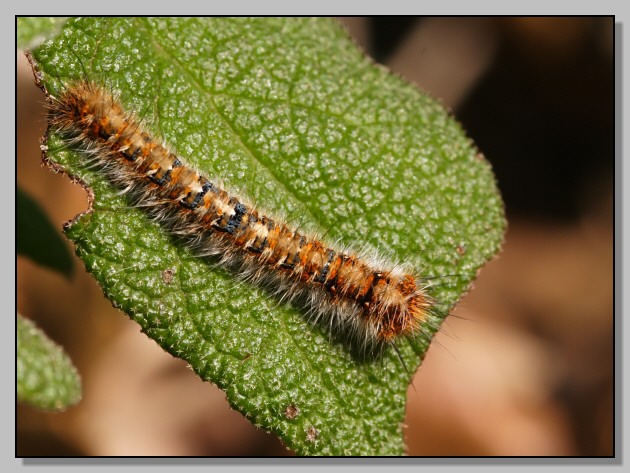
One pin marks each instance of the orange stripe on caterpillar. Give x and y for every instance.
(377, 300)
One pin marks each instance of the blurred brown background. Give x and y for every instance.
(530, 370)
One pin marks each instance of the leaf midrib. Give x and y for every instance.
(238, 138)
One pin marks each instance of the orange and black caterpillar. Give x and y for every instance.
(375, 301)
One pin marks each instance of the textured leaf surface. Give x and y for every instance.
(38, 239)
(292, 112)
(33, 30)
(46, 378)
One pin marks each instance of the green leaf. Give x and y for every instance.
(38, 239)
(46, 378)
(34, 30)
(291, 111)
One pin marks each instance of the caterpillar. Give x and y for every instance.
(375, 301)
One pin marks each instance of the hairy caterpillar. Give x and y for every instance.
(375, 301)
